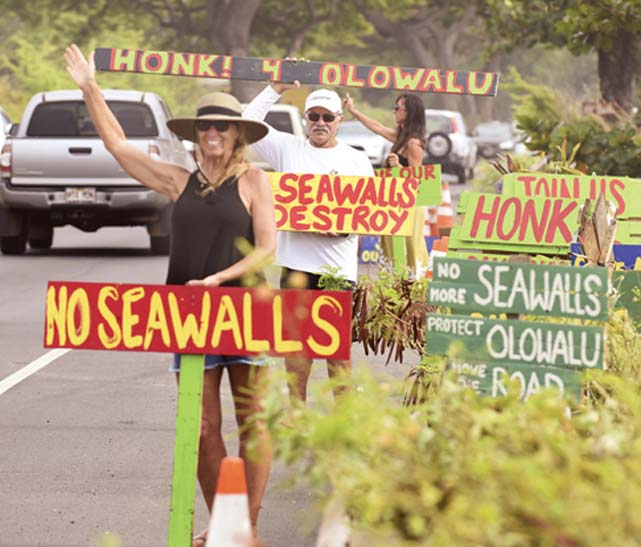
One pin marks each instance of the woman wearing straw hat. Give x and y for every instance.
(223, 200)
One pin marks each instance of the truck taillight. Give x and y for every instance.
(154, 151)
(5, 161)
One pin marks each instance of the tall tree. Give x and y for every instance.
(612, 28)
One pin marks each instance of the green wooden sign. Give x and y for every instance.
(429, 181)
(527, 342)
(498, 257)
(511, 220)
(494, 380)
(623, 192)
(628, 287)
(470, 285)
(457, 242)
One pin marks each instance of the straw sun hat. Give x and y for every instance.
(218, 106)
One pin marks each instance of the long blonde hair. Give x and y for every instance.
(235, 167)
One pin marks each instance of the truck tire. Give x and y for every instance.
(159, 245)
(13, 245)
(43, 238)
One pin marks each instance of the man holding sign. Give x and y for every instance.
(305, 255)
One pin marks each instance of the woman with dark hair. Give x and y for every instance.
(409, 139)
(221, 202)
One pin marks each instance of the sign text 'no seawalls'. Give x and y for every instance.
(198, 320)
(204, 65)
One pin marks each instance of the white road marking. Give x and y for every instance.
(33, 367)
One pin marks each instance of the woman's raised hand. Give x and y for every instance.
(348, 103)
(81, 71)
(392, 160)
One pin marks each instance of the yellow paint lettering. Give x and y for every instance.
(183, 64)
(483, 88)
(78, 309)
(154, 62)
(56, 315)
(432, 80)
(109, 341)
(157, 321)
(325, 326)
(226, 319)
(129, 318)
(451, 86)
(123, 59)
(281, 345)
(407, 80)
(189, 328)
(273, 68)
(248, 327)
(204, 66)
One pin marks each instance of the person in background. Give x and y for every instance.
(223, 200)
(409, 140)
(304, 256)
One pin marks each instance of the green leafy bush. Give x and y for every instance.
(463, 470)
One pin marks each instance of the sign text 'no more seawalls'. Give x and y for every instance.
(203, 65)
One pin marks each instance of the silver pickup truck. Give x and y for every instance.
(55, 171)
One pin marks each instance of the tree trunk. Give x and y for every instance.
(618, 71)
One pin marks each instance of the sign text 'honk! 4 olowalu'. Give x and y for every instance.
(202, 65)
(196, 320)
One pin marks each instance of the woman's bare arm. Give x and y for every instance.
(166, 178)
(371, 124)
(414, 152)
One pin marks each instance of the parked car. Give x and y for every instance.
(497, 137)
(355, 134)
(283, 117)
(5, 126)
(55, 171)
(449, 144)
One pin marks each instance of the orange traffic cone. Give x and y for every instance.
(439, 248)
(230, 524)
(445, 212)
(430, 225)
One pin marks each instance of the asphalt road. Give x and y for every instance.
(87, 441)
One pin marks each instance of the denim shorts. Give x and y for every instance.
(213, 361)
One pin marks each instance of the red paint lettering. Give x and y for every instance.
(290, 192)
(480, 216)
(369, 195)
(347, 192)
(297, 218)
(397, 219)
(281, 215)
(530, 219)
(378, 221)
(615, 186)
(527, 180)
(410, 187)
(325, 189)
(305, 189)
(322, 222)
(341, 213)
(504, 218)
(557, 221)
(359, 218)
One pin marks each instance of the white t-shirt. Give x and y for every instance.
(304, 251)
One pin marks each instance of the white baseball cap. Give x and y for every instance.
(324, 98)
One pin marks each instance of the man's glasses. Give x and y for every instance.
(219, 125)
(315, 116)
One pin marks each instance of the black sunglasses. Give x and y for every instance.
(315, 116)
(219, 125)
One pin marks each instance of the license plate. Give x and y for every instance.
(80, 195)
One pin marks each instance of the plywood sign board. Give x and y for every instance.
(623, 192)
(429, 181)
(197, 320)
(344, 204)
(511, 287)
(487, 353)
(204, 65)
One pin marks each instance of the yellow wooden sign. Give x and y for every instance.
(344, 204)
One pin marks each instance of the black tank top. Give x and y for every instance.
(402, 160)
(204, 231)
